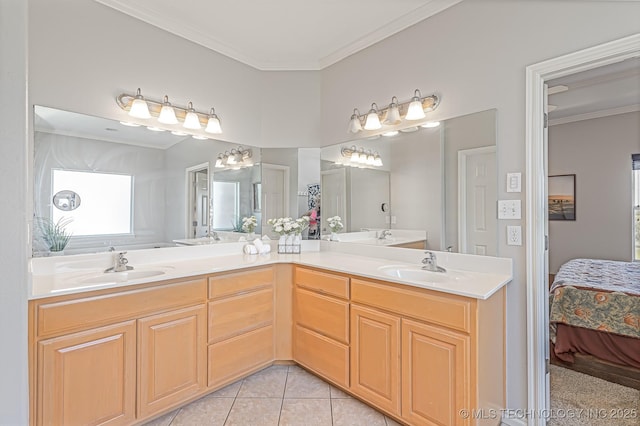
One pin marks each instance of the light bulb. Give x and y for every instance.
(213, 123)
(167, 114)
(191, 120)
(139, 107)
(415, 111)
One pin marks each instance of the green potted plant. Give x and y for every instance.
(55, 234)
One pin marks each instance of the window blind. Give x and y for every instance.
(635, 161)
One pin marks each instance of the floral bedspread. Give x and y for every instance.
(597, 294)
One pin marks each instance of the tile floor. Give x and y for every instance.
(278, 395)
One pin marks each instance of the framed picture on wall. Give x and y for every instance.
(562, 197)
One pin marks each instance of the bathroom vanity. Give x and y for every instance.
(419, 349)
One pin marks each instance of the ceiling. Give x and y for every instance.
(598, 92)
(283, 34)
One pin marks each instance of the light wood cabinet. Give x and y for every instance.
(321, 323)
(88, 377)
(435, 374)
(375, 357)
(240, 324)
(172, 358)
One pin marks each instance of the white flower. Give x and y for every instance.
(335, 223)
(249, 223)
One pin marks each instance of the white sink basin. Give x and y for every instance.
(416, 273)
(119, 277)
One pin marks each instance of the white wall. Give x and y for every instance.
(598, 152)
(416, 183)
(474, 56)
(14, 189)
(367, 190)
(83, 55)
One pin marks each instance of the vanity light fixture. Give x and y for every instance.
(235, 159)
(167, 114)
(359, 157)
(415, 110)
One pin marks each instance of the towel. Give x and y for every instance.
(257, 248)
(249, 249)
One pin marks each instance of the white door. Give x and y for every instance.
(275, 194)
(334, 197)
(197, 203)
(545, 148)
(477, 218)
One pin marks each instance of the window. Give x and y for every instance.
(106, 203)
(635, 161)
(226, 205)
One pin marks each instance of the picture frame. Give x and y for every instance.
(562, 197)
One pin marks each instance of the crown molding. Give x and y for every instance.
(157, 20)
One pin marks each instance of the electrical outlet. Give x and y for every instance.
(514, 235)
(393, 220)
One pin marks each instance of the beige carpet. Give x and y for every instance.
(581, 400)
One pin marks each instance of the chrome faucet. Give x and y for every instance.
(430, 263)
(214, 235)
(120, 263)
(383, 234)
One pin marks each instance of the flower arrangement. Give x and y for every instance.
(54, 234)
(249, 224)
(335, 223)
(288, 226)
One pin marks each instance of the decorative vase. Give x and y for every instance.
(282, 244)
(251, 236)
(334, 236)
(289, 243)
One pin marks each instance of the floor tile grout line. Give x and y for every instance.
(233, 403)
(284, 391)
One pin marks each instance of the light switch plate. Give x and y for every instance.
(509, 209)
(514, 182)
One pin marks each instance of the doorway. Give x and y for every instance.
(536, 207)
(275, 193)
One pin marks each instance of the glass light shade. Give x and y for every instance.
(354, 125)
(415, 111)
(390, 133)
(430, 124)
(167, 114)
(213, 125)
(410, 129)
(355, 157)
(373, 121)
(139, 108)
(393, 115)
(225, 158)
(191, 120)
(231, 158)
(371, 160)
(219, 161)
(377, 161)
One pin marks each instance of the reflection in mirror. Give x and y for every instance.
(429, 184)
(134, 183)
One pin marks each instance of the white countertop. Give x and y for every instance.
(483, 276)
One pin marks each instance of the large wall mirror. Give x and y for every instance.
(107, 184)
(441, 180)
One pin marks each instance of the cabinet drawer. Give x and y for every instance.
(326, 315)
(88, 312)
(235, 357)
(322, 282)
(451, 311)
(235, 315)
(238, 282)
(322, 355)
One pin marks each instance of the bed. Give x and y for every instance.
(595, 312)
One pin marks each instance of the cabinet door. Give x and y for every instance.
(172, 351)
(435, 374)
(88, 377)
(375, 357)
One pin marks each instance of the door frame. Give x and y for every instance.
(463, 154)
(189, 174)
(285, 199)
(323, 211)
(536, 187)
